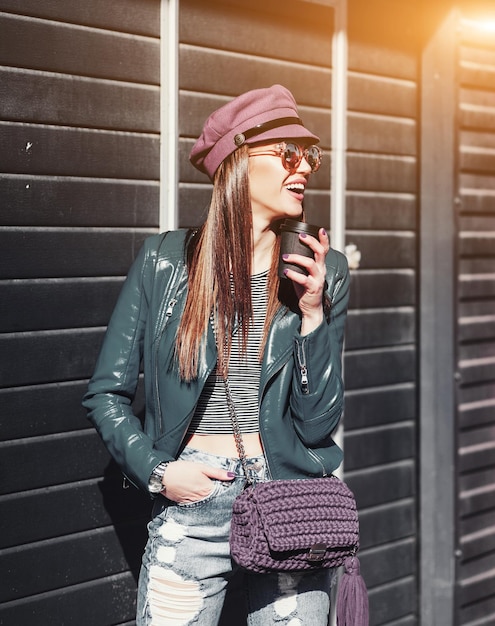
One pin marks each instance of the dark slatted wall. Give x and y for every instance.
(79, 167)
(228, 48)
(381, 340)
(476, 328)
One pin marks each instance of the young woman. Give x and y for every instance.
(198, 307)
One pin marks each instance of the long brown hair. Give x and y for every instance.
(219, 264)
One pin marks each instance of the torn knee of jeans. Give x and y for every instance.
(171, 598)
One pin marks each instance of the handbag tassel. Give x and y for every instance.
(352, 596)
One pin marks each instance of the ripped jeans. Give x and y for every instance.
(187, 565)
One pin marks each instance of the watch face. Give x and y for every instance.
(155, 485)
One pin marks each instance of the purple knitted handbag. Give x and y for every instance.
(294, 525)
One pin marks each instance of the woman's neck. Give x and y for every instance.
(263, 242)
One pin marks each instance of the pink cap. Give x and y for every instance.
(257, 115)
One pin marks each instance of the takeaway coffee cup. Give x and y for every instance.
(291, 244)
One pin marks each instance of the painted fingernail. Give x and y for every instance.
(286, 272)
(231, 474)
(285, 257)
(303, 235)
(323, 232)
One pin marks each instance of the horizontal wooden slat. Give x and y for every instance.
(478, 202)
(384, 524)
(366, 172)
(477, 285)
(53, 201)
(477, 529)
(392, 602)
(381, 135)
(478, 582)
(477, 500)
(478, 160)
(478, 544)
(475, 436)
(476, 393)
(52, 460)
(477, 140)
(482, 613)
(469, 223)
(374, 368)
(100, 602)
(374, 328)
(72, 355)
(382, 95)
(478, 97)
(477, 456)
(475, 266)
(201, 68)
(476, 413)
(476, 350)
(382, 484)
(231, 27)
(477, 370)
(61, 151)
(477, 75)
(93, 504)
(384, 444)
(388, 563)
(57, 47)
(121, 15)
(380, 211)
(73, 101)
(477, 117)
(381, 249)
(474, 46)
(470, 181)
(58, 409)
(472, 481)
(378, 406)
(73, 559)
(477, 244)
(59, 253)
(376, 288)
(56, 303)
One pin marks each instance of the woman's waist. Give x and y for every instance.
(225, 445)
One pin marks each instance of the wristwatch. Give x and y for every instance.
(155, 484)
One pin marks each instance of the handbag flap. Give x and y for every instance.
(302, 514)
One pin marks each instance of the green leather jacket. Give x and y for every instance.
(297, 415)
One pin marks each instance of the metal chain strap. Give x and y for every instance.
(239, 442)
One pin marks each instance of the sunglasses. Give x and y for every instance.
(292, 155)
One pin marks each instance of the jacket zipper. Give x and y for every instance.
(301, 359)
(168, 314)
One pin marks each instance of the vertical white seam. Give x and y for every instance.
(169, 105)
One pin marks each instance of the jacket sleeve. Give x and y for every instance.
(112, 388)
(317, 398)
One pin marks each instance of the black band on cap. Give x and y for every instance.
(240, 138)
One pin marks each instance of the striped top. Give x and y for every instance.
(212, 414)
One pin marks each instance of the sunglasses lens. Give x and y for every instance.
(292, 156)
(313, 157)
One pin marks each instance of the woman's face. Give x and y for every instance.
(275, 192)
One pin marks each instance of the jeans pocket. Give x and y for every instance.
(217, 486)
